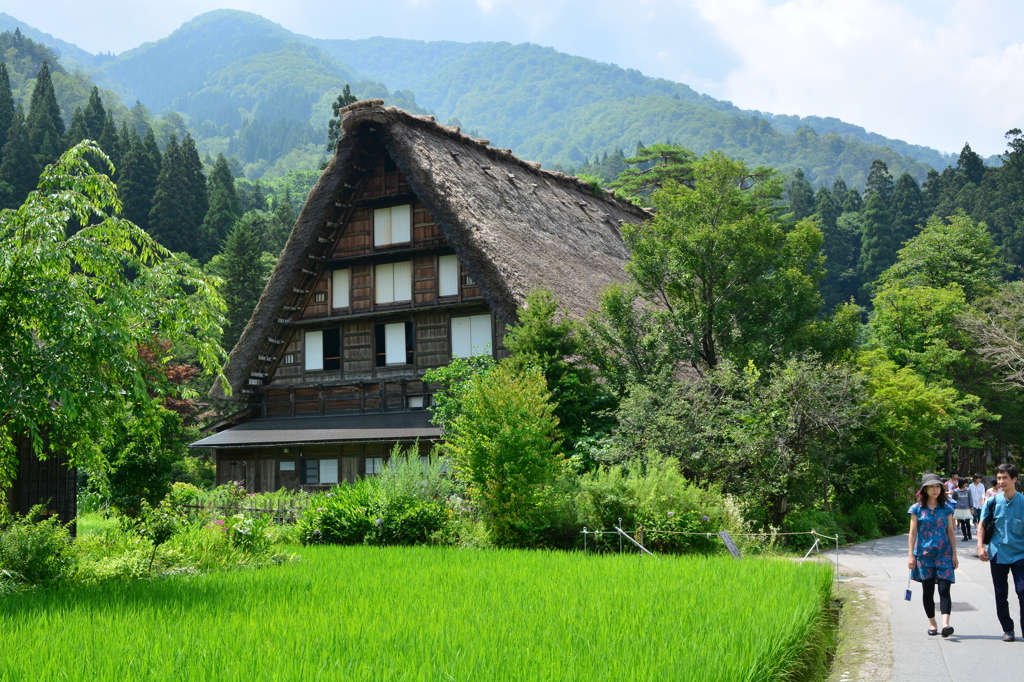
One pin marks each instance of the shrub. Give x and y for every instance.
(341, 516)
(33, 551)
(806, 520)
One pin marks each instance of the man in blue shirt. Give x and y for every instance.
(1007, 544)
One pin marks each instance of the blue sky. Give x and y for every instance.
(939, 73)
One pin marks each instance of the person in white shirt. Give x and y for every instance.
(952, 484)
(977, 489)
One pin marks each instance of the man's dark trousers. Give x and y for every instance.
(1000, 572)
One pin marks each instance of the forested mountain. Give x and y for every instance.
(237, 77)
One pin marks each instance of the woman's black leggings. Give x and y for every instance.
(945, 605)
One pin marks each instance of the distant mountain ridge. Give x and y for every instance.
(226, 67)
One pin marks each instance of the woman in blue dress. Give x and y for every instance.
(931, 549)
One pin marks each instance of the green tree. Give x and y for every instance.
(655, 165)
(16, 170)
(244, 272)
(45, 124)
(7, 108)
(180, 202)
(731, 279)
(334, 130)
(95, 115)
(506, 446)
(224, 210)
(548, 340)
(801, 196)
(138, 175)
(76, 309)
(957, 250)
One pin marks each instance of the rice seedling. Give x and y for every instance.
(429, 613)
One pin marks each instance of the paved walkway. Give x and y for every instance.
(975, 652)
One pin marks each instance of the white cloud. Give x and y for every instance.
(938, 76)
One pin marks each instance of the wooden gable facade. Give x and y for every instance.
(385, 276)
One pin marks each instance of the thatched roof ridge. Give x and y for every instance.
(514, 226)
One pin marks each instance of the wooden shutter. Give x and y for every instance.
(401, 224)
(480, 326)
(448, 276)
(314, 350)
(340, 289)
(394, 343)
(385, 284)
(328, 471)
(402, 281)
(382, 227)
(462, 340)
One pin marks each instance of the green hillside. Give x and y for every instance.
(241, 80)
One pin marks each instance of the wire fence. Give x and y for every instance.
(637, 539)
(281, 511)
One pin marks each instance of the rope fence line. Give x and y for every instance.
(818, 537)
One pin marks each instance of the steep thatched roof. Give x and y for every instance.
(514, 226)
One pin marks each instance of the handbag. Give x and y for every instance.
(985, 528)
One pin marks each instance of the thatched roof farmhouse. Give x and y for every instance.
(417, 245)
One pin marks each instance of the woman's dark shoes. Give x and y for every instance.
(947, 631)
(935, 632)
(1007, 636)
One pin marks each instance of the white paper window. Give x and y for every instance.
(471, 335)
(448, 276)
(394, 282)
(314, 350)
(392, 225)
(328, 471)
(340, 290)
(394, 343)
(374, 465)
(288, 466)
(414, 402)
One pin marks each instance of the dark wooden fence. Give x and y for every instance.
(281, 511)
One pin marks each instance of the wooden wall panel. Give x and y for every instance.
(356, 235)
(317, 304)
(362, 288)
(432, 345)
(357, 347)
(424, 279)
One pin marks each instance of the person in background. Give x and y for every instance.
(1006, 546)
(963, 513)
(991, 491)
(931, 550)
(952, 484)
(977, 489)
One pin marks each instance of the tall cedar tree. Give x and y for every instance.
(180, 202)
(95, 115)
(908, 214)
(137, 175)
(244, 273)
(7, 109)
(334, 125)
(168, 217)
(109, 140)
(878, 243)
(801, 196)
(224, 209)
(77, 131)
(45, 124)
(17, 172)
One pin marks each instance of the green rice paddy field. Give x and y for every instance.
(427, 613)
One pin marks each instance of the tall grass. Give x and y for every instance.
(429, 613)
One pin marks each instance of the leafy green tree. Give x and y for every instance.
(224, 210)
(731, 279)
(334, 125)
(548, 340)
(244, 272)
(957, 250)
(506, 446)
(45, 124)
(657, 164)
(76, 309)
